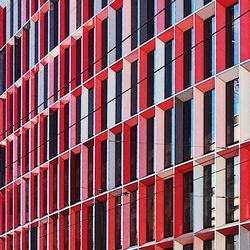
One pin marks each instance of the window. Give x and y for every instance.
(209, 245)
(104, 42)
(209, 121)
(150, 146)
(134, 87)
(118, 103)
(78, 119)
(36, 41)
(66, 182)
(19, 14)
(118, 206)
(188, 7)
(46, 87)
(169, 68)
(66, 16)
(78, 13)
(35, 93)
(19, 106)
(34, 238)
(55, 185)
(91, 8)
(188, 247)
(207, 1)
(66, 73)
(91, 53)
(188, 202)
(146, 20)
(35, 190)
(232, 35)
(134, 24)
(169, 13)
(119, 29)
(209, 47)
(56, 85)
(104, 3)
(133, 218)
(46, 32)
(75, 177)
(150, 213)
(168, 138)
(66, 126)
(78, 61)
(65, 230)
(208, 196)
(133, 153)
(45, 191)
(232, 112)
(90, 228)
(18, 58)
(2, 166)
(188, 129)
(11, 17)
(90, 112)
(90, 170)
(150, 78)
(118, 159)
(104, 104)
(232, 189)
(53, 24)
(53, 132)
(168, 207)
(100, 225)
(232, 242)
(188, 58)
(2, 71)
(103, 165)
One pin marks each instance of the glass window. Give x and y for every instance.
(2, 166)
(169, 13)
(66, 182)
(56, 76)
(169, 68)
(100, 225)
(133, 153)
(66, 73)
(54, 24)
(146, 20)
(118, 159)
(103, 165)
(134, 24)
(188, 247)
(188, 58)
(188, 202)
(209, 47)
(150, 78)
(208, 196)
(104, 42)
(169, 138)
(66, 126)
(2, 71)
(78, 61)
(91, 53)
(18, 58)
(232, 242)
(168, 207)
(90, 170)
(188, 130)
(133, 218)
(134, 87)
(232, 189)
(150, 146)
(118, 103)
(118, 206)
(36, 41)
(104, 104)
(33, 238)
(232, 35)
(189, 6)
(78, 13)
(54, 185)
(75, 177)
(78, 119)
(53, 132)
(119, 29)
(150, 213)
(232, 112)
(90, 228)
(90, 112)
(209, 121)
(208, 245)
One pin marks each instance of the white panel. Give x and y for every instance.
(84, 123)
(111, 98)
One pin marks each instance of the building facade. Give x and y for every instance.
(125, 124)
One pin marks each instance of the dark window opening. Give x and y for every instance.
(78, 13)
(133, 218)
(90, 228)
(78, 119)
(75, 177)
(134, 24)
(133, 153)
(150, 79)
(90, 112)
(104, 165)
(118, 103)
(53, 132)
(90, 170)
(118, 225)
(169, 69)
(91, 53)
(119, 29)
(118, 159)
(188, 67)
(2, 71)
(134, 87)
(53, 24)
(150, 146)
(78, 61)
(188, 202)
(66, 126)
(168, 143)
(168, 207)
(104, 43)
(104, 104)
(150, 213)
(18, 58)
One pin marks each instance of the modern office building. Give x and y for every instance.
(125, 124)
